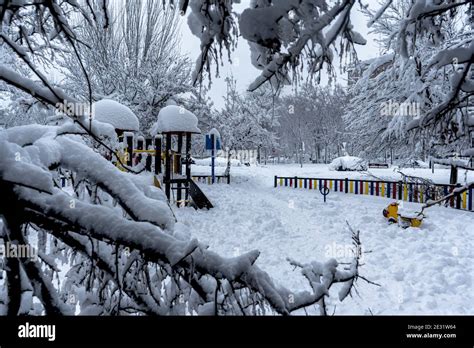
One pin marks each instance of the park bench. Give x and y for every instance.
(378, 165)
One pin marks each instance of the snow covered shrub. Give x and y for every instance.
(348, 163)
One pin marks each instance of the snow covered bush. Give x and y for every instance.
(348, 163)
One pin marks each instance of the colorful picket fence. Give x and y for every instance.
(409, 192)
(207, 179)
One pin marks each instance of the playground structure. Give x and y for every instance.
(166, 154)
(404, 220)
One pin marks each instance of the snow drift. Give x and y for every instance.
(348, 163)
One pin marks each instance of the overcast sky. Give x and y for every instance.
(242, 68)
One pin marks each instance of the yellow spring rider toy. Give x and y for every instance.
(405, 220)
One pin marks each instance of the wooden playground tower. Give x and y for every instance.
(171, 150)
(173, 177)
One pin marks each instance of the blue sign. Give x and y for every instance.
(209, 143)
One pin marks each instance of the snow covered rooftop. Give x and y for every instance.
(173, 118)
(116, 114)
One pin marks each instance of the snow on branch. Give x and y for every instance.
(452, 100)
(455, 193)
(321, 276)
(213, 23)
(458, 163)
(279, 60)
(379, 13)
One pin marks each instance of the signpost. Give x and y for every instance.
(213, 143)
(324, 191)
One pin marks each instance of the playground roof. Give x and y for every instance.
(116, 114)
(176, 119)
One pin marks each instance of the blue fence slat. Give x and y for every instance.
(469, 199)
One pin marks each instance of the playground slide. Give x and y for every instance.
(198, 196)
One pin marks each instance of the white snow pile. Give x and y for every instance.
(118, 115)
(348, 163)
(173, 118)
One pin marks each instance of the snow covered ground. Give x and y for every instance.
(421, 271)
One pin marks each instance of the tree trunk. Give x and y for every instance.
(453, 178)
